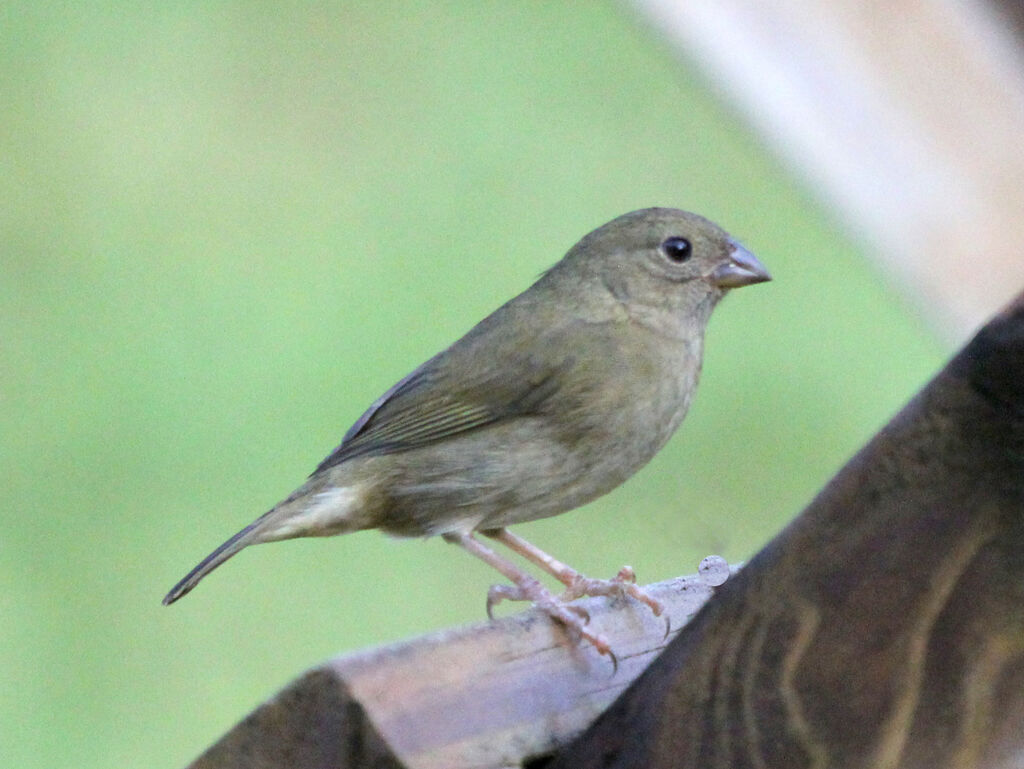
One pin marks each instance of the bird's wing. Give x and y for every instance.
(430, 405)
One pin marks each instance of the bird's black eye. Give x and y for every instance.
(677, 249)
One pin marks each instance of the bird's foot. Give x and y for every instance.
(526, 588)
(577, 585)
(573, 618)
(623, 583)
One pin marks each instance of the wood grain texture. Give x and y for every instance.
(485, 696)
(884, 627)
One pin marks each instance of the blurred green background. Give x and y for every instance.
(227, 227)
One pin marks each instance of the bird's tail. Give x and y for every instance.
(316, 509)
(212, 561)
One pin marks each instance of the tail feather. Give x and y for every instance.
(211, 562)
(315, 509)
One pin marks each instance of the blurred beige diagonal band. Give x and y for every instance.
(906, 116)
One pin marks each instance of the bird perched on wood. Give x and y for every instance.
(554, 399)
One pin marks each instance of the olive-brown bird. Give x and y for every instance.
(551, 401)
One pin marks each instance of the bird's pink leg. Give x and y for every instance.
(576, 584)
(526, 589)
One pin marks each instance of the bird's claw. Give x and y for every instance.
(626, 574)
(498, 593)
(623, 583)
(579, 611)
(573, 618)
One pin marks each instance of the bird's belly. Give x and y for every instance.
(519, 471)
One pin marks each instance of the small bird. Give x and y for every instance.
(551, 401)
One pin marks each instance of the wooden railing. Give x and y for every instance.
(882, 629)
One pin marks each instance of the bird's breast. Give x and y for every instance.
(648, 394)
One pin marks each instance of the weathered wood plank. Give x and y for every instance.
(884, 627)
(484, 696)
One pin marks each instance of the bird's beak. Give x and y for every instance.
(742, 269)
